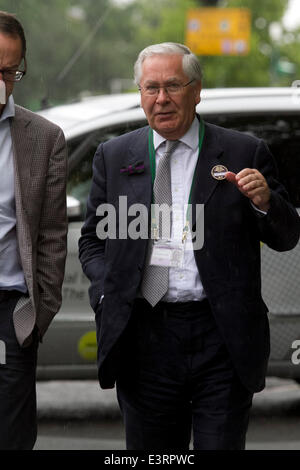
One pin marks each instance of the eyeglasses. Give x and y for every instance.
(13, 75)
(172, 89)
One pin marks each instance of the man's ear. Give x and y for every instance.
(197, 91)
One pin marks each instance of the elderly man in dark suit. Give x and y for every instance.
(33, 227)
(182, 328)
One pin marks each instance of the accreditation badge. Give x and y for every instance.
(167, 254)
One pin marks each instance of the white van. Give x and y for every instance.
(69, 347)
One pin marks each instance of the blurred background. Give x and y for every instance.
(78, 48)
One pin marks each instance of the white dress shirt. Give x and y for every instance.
(184, 283)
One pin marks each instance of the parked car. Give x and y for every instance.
(69, 348)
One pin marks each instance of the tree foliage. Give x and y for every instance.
(80, 46)
(55, 34)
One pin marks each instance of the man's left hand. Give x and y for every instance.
(253, 185)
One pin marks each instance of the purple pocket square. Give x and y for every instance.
(135, 168)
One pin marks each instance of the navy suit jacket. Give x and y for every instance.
(228, 262)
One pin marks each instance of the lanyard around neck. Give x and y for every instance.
(153, 170)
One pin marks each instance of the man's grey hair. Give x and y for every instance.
(190, 63)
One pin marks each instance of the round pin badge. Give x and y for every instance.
(218, 172)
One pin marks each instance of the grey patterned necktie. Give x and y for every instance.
(156, 278)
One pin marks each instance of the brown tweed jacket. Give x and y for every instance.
(40, 164)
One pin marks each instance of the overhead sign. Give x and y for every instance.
(218, 31)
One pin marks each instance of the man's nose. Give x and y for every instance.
(162, 95)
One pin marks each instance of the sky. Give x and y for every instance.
(292, 17)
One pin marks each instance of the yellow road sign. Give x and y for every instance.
(218, 31)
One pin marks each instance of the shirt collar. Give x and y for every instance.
(9, 110)
(190, 138)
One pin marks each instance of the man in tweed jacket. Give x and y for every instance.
(33, 227)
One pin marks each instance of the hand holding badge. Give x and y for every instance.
(253, 185)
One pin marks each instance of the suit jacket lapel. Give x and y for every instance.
(23, 139)
(141, 183)
(205, 184)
